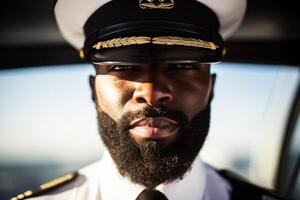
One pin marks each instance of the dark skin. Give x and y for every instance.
(122, 88)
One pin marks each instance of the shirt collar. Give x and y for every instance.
(115, 186)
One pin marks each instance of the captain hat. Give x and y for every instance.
(149, 30)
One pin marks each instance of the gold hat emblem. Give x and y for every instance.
(156, 4)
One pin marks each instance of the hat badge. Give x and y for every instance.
(156, 4)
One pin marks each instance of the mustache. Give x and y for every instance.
(153, 112)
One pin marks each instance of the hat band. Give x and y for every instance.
(162, 40)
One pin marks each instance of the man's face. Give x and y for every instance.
(153, 118)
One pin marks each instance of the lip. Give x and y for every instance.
(155, 120)
(153, 128)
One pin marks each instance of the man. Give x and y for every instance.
(152, 92)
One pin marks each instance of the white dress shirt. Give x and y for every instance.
(101, 181)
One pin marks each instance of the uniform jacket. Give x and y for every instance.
(101, 181)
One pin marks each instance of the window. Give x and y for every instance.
(294, 161)
(289, 170)
(249, 114)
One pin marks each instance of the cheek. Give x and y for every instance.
(193, 95)
(109, 97)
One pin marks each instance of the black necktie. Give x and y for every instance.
(149, 194)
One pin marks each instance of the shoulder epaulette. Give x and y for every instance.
(47, 187)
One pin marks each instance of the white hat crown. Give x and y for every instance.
(71, 16)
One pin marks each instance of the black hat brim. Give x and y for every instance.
(155, 53)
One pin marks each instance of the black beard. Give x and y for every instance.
(149, 163)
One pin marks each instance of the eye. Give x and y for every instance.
(121, 68)
(185, 67)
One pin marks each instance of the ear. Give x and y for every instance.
(213, 78)
(93, 89)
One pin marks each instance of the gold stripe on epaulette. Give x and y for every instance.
(162, 40)
(57, 181)
(45, 187)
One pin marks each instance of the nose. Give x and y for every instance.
(152, 94)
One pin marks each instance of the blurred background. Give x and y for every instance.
(48, 121)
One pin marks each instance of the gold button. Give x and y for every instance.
(224, 52)
(81, 54)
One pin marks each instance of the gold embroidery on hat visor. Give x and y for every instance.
(162, 40)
